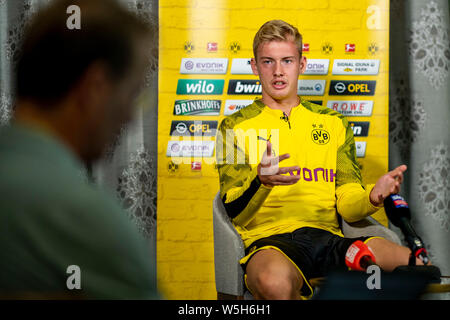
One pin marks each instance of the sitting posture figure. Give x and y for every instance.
(288, 216)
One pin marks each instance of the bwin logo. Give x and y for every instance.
(248, 88)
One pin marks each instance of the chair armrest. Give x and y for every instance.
(369, 227)
(228, 250)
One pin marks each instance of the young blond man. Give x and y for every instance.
(288, 216)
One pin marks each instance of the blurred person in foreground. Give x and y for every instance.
(75, 90)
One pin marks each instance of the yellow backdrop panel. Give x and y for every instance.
(224, 29)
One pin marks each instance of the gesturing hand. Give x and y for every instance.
(386, 185)
(270, 174)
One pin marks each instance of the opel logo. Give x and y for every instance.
(181, 127)
(339, 87)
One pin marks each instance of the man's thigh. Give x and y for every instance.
(270, 274)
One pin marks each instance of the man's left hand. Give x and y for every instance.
(386, 185)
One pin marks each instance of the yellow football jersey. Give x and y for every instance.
(319, 141)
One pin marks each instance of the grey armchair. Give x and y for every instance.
(229, 249)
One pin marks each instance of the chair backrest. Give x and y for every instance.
(228, 250)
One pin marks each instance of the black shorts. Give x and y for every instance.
(315, 252)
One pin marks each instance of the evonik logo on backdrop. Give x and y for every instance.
(204, 65)
(200, 86)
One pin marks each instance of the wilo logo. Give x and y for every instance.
(204, 86)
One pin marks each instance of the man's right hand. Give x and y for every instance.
(270, 174)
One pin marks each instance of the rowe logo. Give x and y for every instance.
(195, 86)
(244, 87)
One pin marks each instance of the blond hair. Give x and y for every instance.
(277, 30)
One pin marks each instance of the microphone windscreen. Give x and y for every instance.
(355, 253)
(396, 208)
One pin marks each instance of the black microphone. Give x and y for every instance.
(397, 210)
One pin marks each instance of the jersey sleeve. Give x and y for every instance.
(241, 191)
(352, 198)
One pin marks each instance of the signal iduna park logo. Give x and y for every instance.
(200, 86)
(356, 67)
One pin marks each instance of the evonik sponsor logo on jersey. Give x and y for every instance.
(204, 65)
(200, 86)
(355, 108)
(197, 107)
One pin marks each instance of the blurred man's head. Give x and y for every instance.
(81, 83)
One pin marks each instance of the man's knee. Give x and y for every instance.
(272, 276)
(274, 285)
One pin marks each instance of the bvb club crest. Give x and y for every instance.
(172, 167)
(319, 135)
(235, 47)
(327, 48)
(373, 48)
(188, 47)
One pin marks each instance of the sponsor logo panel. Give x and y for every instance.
(197, 107)
(311, 87)
(204, 66)
(360, 149)
(244, 87)
(356, 67)
(193, 128)
(352, 88)
(200, 86)
(360, 128)
(190, 148)
(317, 66)
(231, 106)
(241, 66)
(355, 108)
(313, 66)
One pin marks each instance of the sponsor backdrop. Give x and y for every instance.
(204, 75)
